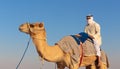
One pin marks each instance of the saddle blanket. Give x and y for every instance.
(69, 45)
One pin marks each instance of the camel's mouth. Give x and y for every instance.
(24, 28)
(21, 27)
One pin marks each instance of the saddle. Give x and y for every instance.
(70, 44)
(87, 44)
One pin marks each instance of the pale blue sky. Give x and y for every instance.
(61, 18)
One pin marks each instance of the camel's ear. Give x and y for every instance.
(41, 24)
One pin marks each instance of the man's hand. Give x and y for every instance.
(91, 36)
(78, 35)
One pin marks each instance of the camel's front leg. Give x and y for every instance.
(60, 66)
(76, 66)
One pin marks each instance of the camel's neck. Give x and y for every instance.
(41, 45)
(49, 53)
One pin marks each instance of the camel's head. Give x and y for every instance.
(33, 29)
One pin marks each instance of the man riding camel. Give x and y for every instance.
(93, 30)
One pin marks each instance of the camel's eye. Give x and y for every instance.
(40, 25)
(31, 25)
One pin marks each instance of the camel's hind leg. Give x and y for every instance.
(103, 66)
(92, 66)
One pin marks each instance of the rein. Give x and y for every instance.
(23, 54)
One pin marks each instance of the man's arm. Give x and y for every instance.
(78, 35)
(97, 32)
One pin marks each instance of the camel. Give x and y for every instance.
(54, 53)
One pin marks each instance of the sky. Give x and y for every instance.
(61, 18)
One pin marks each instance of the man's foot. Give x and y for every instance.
(99, 61)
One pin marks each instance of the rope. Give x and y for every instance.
(55, 66)
(42, 63)
(23, 54)
(81, 57)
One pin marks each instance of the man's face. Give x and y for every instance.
(89, 20)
